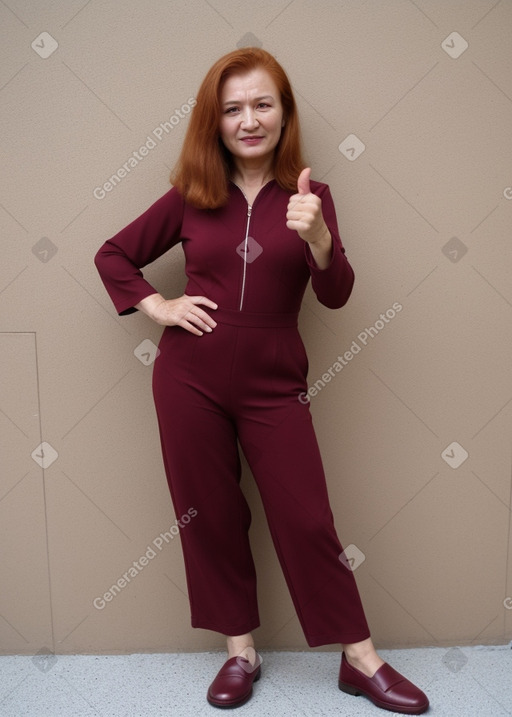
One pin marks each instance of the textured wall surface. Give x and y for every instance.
(406, 110)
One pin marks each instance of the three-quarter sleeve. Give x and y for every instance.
(332, 285)
(120, 260)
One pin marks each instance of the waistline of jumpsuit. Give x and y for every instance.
(254, 320)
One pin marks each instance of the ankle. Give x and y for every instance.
(363, 656)
(359, 650)
(356, 654)
(241, 646)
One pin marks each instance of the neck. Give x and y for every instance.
(252, 175)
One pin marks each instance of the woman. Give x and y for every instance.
(255, 229)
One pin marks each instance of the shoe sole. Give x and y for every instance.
(356, 692)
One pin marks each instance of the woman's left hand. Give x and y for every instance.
(304, 213)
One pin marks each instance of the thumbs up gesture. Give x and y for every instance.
(304, 212)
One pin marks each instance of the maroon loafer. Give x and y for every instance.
(387, 688)
(233, 684)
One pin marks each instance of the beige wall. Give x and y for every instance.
(434, 180)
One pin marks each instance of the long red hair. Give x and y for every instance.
(204, 166)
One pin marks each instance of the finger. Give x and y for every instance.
(297, 225)
(187, 324)
(195, 325)
(191, 328)
(294, 201)
(203, 300)
(203, 319)
(300, 214)
(303, 181)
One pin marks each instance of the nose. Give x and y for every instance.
(248, 120)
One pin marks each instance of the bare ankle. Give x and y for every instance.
(359, 650)
(241, 645)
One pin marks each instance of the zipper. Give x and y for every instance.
(249, 211)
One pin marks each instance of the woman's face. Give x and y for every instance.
(251, 116)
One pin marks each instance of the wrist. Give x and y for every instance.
(149, 305)
(322, 240)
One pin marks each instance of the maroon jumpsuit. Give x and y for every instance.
(241, 383)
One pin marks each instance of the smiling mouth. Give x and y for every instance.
(250, 140)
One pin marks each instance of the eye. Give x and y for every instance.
(263, 104)
(231, 110)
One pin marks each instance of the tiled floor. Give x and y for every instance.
(467, 681)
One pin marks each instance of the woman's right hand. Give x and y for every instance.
(184, 311)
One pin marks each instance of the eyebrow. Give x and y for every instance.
(256, 99)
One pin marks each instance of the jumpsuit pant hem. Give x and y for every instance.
(312, 640)
(348, 639)
(228, 630)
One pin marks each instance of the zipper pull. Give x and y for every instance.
(249, 209)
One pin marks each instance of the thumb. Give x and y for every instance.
(303, 181)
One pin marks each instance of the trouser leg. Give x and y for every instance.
(278, 439)
(287, 467)
(200, 453)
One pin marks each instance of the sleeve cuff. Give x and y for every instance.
(310, 260)
(127, 306)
